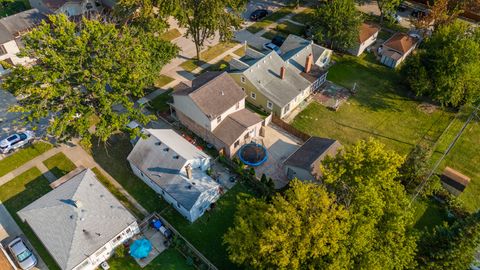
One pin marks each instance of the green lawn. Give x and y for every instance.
(20, 192)
(428, 213)
(10, 7)
(207, 55)
(122, 198)
(170, 259)
(22, 156)
(305, 16)
(162, 80)
(59, 165)
(171, 34)
(464, 156)
(287, 28)
(267, 21)
(272, 33)
(382, 109)
(220, 65)
(205, 234)
(160, 103)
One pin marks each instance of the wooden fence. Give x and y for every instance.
(290, 129)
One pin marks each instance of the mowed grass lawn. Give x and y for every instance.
(382, 109)
(20, 192)
(464, 156)
(22, 156)
(205, 234)
(59, 165)
(169, 259)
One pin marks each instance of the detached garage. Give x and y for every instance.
(304, 164)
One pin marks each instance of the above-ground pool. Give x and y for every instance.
(253, 154)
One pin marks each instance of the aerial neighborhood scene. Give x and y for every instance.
(240, 134)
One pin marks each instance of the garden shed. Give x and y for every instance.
(454, 181)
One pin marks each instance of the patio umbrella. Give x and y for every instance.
(140, 248)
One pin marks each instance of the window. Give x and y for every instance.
(253, 95)
(242, 79)
(2, 50)
(243, 89)
(246, 136)
(269, 104)
(219, 119)
(235, 145)
(286, 108)
(100, 252)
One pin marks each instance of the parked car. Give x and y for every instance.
(22, 254)
(278, 40)
(16, 141)
(402, 8)
(272, 47)
(258, 14)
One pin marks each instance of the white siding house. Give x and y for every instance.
(367, 36)
(176, 170)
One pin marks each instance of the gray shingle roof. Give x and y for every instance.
(166, 168)
(21, 22)
(312, 152)
(69, 232)
(296, 49)
(265, 76)
(5, 35)
(213, 93)
(232, 127)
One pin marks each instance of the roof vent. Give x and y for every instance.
(158, 143)
(176, 157)
(77, 203)
(189, 186)
(166, 149)
(71, 216)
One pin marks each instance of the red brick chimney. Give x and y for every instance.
(308, 63)
(282, 72)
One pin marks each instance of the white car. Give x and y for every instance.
(16, 141)
(22, 254)
(272, 47)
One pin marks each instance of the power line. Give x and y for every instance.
(450, 146)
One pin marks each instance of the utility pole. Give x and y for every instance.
(450, 146)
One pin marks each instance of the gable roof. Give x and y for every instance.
(455, 179)
(21, 22)
(264, 74)
(232, 127)
(167, 167)
(76, 219)
(366, 31)
(295, 50)
(213, 93)
(312, 152)
(400, 42)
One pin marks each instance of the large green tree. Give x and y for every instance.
(387, 8)
(447, 67)
(86, 73)
(302, 229)
(450, 246)
(337, 23)
(363, 178)
(204, 19)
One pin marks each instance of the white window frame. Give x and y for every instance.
(242, 79)
(253, 95)
(269, 104)
(219, 118)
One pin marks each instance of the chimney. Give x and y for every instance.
(308, 63)
(188, 169)
(282, 72)
(77, 203)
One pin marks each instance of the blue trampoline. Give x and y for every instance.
(253, 154)
(140, 248)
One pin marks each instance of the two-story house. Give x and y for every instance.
(12, 28)
(176, 170)
(367, 35)
(278, 84)
(213, 107)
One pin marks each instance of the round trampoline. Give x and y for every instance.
(253, 154)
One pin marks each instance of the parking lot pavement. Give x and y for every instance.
(280, 145)
(10, 230)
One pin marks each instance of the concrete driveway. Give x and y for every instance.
(280, 145)
(9, 230)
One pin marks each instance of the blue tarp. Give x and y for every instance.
(140, 248)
